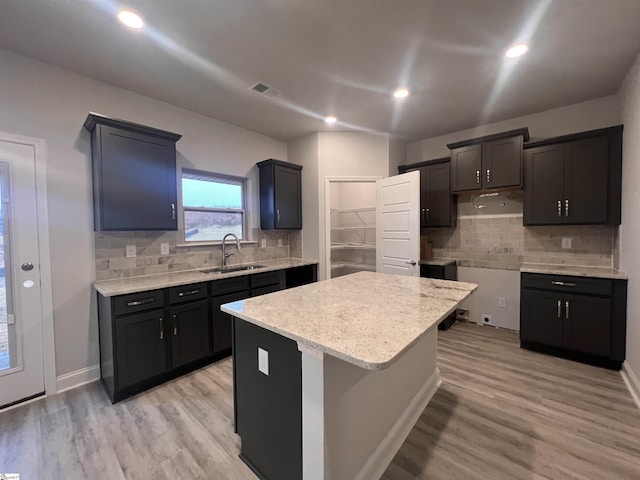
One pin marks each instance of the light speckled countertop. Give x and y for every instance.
(121, 286)
(577, 271)
(439, 262)
(368, 319)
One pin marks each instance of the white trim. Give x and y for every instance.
(78, 378)
(48, 340)
(632, 382)
(398, 433)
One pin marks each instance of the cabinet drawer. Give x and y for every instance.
(229, 285)
(138, 302)
(566, 283)
(186, 293)
(265, 279)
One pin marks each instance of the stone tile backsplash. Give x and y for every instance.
(504, 243)
(112, 262)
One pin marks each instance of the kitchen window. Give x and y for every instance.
(213, 205)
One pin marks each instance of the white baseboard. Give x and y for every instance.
(380, 459)
(632, 382)
(79, 377)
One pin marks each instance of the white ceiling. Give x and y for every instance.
(341, 57)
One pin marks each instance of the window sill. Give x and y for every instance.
(214, 243)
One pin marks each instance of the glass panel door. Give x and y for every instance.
(7, 333)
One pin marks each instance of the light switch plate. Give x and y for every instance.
(502, 302)
(263, 361)
(566, 242)
(263, 243)
(131, 251)
(279, 242)
(164, 249)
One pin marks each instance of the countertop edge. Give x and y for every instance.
(574, 271)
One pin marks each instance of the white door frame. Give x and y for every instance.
(48, 341)
(327, 213)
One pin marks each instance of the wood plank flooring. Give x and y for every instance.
(501, 413)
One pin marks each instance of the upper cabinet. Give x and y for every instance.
(488, 163)
(134, 175)
(280, 195)
(437, 208)
(574, 179)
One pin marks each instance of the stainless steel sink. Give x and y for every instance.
(229, 269)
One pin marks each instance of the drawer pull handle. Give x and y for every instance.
(559, 309)
(175, 326)
(161, 329)
(566, 310)
(137, 303)
(190, 292)
(564, 284)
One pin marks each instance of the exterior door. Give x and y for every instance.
(398, 224)
(21, 347)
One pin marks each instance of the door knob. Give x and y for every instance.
(410, 262)
(27, 266)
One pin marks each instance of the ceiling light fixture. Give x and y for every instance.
(131, 19)
(517, 50)
(330, 119)
(401, 93)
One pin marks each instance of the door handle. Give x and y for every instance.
(423, 216)
(278, 216)
(566, 310)
(478, 176)
(173, 211)
(175, 326)
(427, 214)
(566, 208)
(559, 309)
(411, 262)
(559, 208)
(27, 266)
(488, 175)
(161, 329)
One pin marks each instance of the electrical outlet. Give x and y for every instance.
(462, 314)
(502, 302)
(131, 251)
(164, 249)
(263, 243)
(566, 242)
(486, 318)
(279, 242)
(263, 361)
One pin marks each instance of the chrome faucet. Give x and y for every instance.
(227, 255)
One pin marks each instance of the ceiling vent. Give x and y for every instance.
(264, 89)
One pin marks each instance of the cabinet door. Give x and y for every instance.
(288, 198)
(141, 350)
(437, 194)
(543, 193)
(502, 163)
(256, 292)
(466, 166)
(541, 317)
(587, 324)
(221, 321)
(138, 181)
(190, 335)
(585, 181)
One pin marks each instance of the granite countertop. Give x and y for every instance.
(577, 271)
(121, 286)
(439, 262)
(368, 319)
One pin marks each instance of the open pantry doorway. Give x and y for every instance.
(350, 219)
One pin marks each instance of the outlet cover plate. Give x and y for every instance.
(279, 242)
(131, 251)
(164, 249)
(502, 302)
(263, 361)
(263, 243)
(566, 242)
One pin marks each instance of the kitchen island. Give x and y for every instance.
(330, 378)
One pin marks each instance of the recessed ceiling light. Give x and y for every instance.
(330, 119)
(517, 50)
(401, 93)
(130, 19)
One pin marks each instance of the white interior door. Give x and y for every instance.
(398, 224)
(21, 352)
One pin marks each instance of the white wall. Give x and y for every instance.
(43, 101)
(629, 233)
(579, 117)
(397, 154)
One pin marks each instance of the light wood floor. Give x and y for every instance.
(501, 413)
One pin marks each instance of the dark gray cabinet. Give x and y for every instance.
(225, 291)
(580, 317)
(448, 271)
(189, 333)
(437, 205)
(280, 195)
(575, 179)
(488, 163)
(134, 175)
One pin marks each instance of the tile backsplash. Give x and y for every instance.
(502, 242)
(112, 262)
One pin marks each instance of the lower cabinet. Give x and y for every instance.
(581, 317)
(149, 337)
(441, 272)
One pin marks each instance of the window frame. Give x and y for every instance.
(217, 178)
